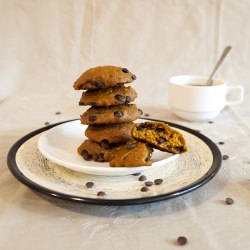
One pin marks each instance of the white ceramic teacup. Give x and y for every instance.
(199, 103)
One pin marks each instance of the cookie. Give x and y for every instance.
(103, 77)
(110, 133)
(133, 154)
(161, 136)
(91, 150)
(108, 97)
(112, 114)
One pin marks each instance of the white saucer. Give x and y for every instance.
(59, 145)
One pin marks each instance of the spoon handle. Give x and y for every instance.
(224, 54)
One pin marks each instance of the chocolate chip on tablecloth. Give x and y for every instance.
(225, 157)
(221, 142)
(142, 178)
(136, 174)
(182, 240)
(89, 184)
(158, 181)
(149, 183)
(144, 189)
(229, 201)
(101, 193)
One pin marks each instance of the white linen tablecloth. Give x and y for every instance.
(46, 45)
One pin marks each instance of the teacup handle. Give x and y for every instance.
(239, 97)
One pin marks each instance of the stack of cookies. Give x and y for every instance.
(110, 117)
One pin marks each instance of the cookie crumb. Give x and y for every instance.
(182, 240)
(58, 113)
(229, 201)
(46, 123)
(221, 142)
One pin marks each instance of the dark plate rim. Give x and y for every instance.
(215, 166)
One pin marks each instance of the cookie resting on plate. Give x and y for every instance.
(161, 136)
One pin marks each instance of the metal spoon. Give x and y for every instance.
(222, 57)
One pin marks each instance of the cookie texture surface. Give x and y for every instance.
(103, 77)
(110, 133)
(161, 136)
(133, 154)
(108, 96)
(91, 150)
(111, 114)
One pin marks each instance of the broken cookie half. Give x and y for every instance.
(161, 136)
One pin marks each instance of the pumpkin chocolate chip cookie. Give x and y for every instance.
(91, 150)
(111, 114)
(103, 77)
(161, 136)
(108, 96)
(110, 133)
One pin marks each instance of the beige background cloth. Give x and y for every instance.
(46, 45)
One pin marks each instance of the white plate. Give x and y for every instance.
(59, 144)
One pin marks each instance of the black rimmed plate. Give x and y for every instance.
(185, 174)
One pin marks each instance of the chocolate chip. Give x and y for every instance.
(46, 123)
(160, 129)
(120, 98)
(90, 184)
(141, 127)
(225, 157)
(136, 174)
(179, 149)
(105, 144)
(128, 99)
(221, 142)
(147, 115)
(118, 114)
(131, 145)
(58, 113)
(101, 193)
(140, 111)
(92, 118)
(229, 201)
(86, 156)
(81, 103)
(101, 157)
(210, 122)
(125, 70)
(98, 84)
(93, 104)
(158, 181)
(142, 178)
(95, 157)
(182, 240)
(144, 189)
(149, 183)
(161, 140)
(133, 77)
(148, 158)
